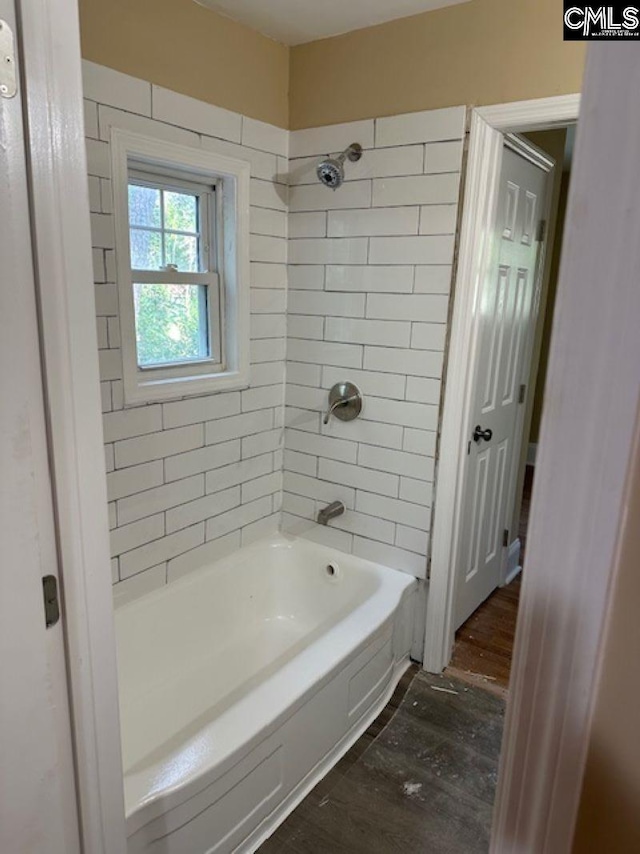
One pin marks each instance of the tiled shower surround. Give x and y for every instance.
(369, 282)
(367, 301)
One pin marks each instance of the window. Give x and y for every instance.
(174, 271)
(181, 245)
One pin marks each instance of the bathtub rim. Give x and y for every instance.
(275, 540)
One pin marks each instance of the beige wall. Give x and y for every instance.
(609, 816)
(189, 49)
(482, 52)
(485, 51)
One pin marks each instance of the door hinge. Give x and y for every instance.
(542, 230)
(8, 86)
(505, 538)
(51, 603)
(521, 393)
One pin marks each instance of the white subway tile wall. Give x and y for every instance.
(189, 480)
(365, 297)
(369, 282)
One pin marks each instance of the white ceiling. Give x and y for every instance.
(298, 21)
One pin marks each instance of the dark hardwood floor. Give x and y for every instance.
(422, 779)
(484, 644)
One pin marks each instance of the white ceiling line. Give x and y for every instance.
(298, 21)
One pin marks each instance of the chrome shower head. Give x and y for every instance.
(330, 172)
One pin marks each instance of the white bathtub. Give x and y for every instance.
(243, 683)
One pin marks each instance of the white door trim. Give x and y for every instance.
(537, 114)
(483, 169)
(530, 152)
(486, 138)
(59, 198)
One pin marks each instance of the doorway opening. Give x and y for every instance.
(493, 131)
(483, 646)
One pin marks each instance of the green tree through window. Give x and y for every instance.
(169, 323)
(166, 234)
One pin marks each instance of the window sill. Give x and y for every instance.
(145, 389)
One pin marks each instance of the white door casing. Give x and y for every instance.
(50, 70)
(37, 786)
(506, 309)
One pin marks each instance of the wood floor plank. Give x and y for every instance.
(484, 644)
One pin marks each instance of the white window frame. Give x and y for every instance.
(142, 174)
(131, 154)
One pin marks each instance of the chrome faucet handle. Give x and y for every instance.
(345, 401)
(341, 402)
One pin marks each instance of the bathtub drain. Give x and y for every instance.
(332, 570)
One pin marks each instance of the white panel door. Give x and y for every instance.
(38, 812)
(506, 322)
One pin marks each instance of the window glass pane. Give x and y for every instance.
(180, 211)
(171, 323)
(182, 251)
(146, 249)
(144, 206)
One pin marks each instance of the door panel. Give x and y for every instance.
(479, 501)
(520, 300)
(495, 331)
(497, 505)
(506, 307)
(37, 788)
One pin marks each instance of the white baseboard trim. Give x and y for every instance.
(515, 572)
(513, 566)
